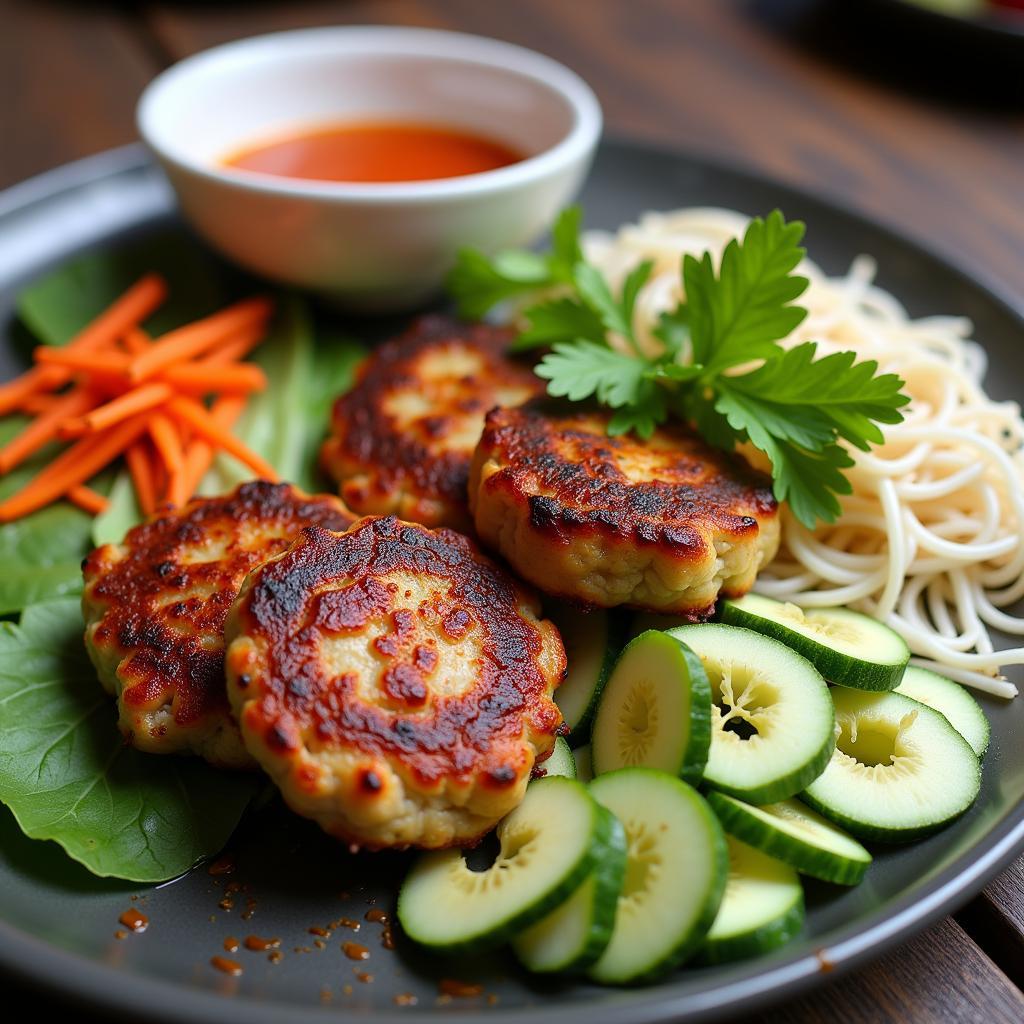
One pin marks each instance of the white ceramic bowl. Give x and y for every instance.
(374, 246)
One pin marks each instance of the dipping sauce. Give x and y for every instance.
(376, 151)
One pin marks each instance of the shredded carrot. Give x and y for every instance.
(137, 400)
(87, 499)
(34, 405)
(189, 411)
(109, 364)
(44, 428)
(199, 457)
(167, 442)
(136, 340)
(126, 312)
(125, 385)
(187, 342)
(140, 467)
(204, 379)
(73, 466)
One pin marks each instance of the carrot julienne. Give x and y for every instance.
(141, 470)
(44, 428)
(190, 412)
(186, 342)
(73, 466)
(137, 397)
(127, 312)
(131, 402)
(87, 499)
(167, 442)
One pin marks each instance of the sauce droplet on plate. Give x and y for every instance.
(354, 951)
(459, 989)
(260, 945)
(133, 920)
(222, 963)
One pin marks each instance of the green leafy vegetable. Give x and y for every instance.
(721, 367)
(40, 555)
(67, 774)
(57, 306)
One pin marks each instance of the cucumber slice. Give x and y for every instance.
(951, 699)
(574, 936)
(592, 644)
(655, 710)
(845, 647)
(772, 724)
(559, 762)
(795, 835)
(900, 770)
(675, 874)
(763, 907)
(549, 844)
(584, 763)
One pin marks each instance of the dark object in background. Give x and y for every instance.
(974, 63)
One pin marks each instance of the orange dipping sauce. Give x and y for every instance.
(376, 151)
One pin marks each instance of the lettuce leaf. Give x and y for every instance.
(67, 774)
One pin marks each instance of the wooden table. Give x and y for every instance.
(928, 139)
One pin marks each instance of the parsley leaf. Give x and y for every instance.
(479, 283)
(844, 396)
(796, 408)
(739, 315)
(584, 369)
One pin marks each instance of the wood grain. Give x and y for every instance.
(69, 78)
(941, 977)
(724, 79)
(995, 920)
(796, 89)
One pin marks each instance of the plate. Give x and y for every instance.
(57, 922)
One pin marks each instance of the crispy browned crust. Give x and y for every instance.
(419, 469)
(336, 585)
(173, 651)
(572, 481)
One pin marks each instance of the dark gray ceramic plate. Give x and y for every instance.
(57, 923)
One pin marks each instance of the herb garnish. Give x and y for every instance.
(793, 406)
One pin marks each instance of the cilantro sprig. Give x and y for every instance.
(721, 367)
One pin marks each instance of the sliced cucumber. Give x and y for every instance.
(772, 725)
(951, 699)
(655, 710)
(900, 770)
(795, 835)
(675, 873)
(763, 907)
(845, 647)
(559, 762)
(592, 643)
(549, 844)
(574, 936)
(584, 763)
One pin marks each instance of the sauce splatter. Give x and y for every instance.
(276, 957)
(364, 977)
(260, 945)
(134, 921)
(377, 916)
(405, 999)
(231, 944)
(222, 865)
(222, 963)
(354, 951)
(459, 989)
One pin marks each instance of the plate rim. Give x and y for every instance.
(71, 975)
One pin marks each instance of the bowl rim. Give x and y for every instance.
(367, 41)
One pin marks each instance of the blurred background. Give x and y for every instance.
(907, 110)
(903, 109)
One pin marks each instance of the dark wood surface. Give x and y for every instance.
(921, 131)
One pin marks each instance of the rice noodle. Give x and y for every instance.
(930, 541)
